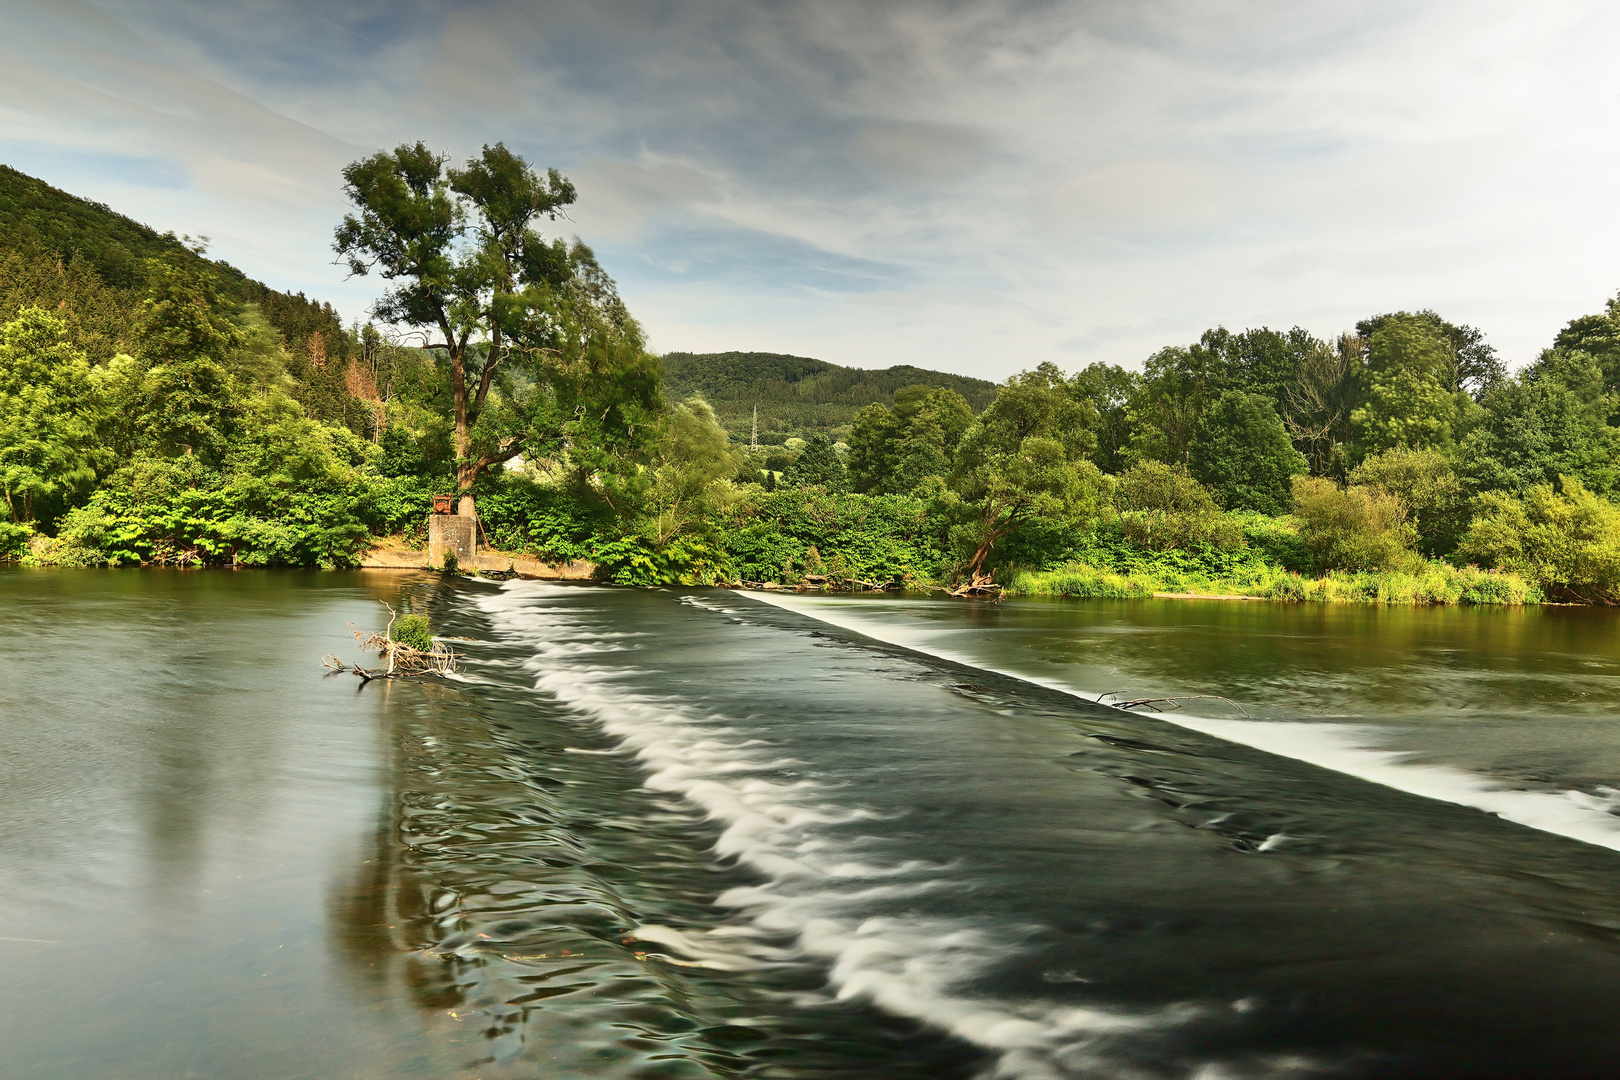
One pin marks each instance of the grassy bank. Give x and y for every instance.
(1435, 583)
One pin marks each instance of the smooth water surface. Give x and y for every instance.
(688, 833)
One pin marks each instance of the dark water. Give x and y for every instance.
(687, 833)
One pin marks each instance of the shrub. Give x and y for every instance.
(1353, 528)
(1566, 540)
(637, 560)
(1428, 486)
(13, 540)
(1078, 581)
(414, 632)
(1163, 508)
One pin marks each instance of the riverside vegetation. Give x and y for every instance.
(159, 407)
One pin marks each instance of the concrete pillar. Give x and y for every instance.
(452, 532)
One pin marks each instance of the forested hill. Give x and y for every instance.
(798, 396)
(90, 264)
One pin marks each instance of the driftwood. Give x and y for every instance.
(822, 583)
(979, 586)
(404, 662)
(1173, 702)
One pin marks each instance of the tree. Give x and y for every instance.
(818, 464)
(1322, 399)
(1411, 396)
(1472, 365)
(1241, 452)
(1176, 384)
(186, 399)
(1549, 420)
(892, 451)
(1109, 388)
(543, 356)
(689, 472)
(48, 413)
(1026, 457)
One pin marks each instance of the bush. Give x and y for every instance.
(637, 560)
(1429, 488)
(1566, 541)
(178, 511)
(1078, 581)
(879, 537)
(414, 632)
(1428, 583)
(1353, 528)
(13, 540)
(1163, 508)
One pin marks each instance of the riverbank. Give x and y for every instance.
(395, 553)
(1434, 583)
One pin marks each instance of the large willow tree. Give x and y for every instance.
(545, 361)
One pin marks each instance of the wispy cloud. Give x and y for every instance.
(978, 185)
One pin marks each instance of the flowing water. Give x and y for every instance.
(691, 833)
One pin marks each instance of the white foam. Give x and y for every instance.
(818, 887)
(1343, 748)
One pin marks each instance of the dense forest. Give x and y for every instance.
(796, 397)
(159, 407)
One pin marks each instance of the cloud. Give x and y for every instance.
(973, 184)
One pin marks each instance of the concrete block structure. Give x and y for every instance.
(452, 532)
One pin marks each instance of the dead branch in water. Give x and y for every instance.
(980, 585)
(404, 662)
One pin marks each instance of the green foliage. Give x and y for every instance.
(1241, 452)
(1110, 390)
(1565, 539)
(884, 538)
(1471, 364)
(1411, 371)
(413, 631)
(683, 560)
(556, 524)
(1025, 459)
(14, 540)
(1353, 528)
(48, 414)
(1430, 583)
(688, 483)
(1597, 336)
(544, 358)
(1549, 420)
(91, 267)
(818, 465)
(1079, 582)
(894, 451)
(796, 396)
(288, 495)
(1163, 508)
(1428, 487)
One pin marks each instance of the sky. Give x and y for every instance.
(974, 186)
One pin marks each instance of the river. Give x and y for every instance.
(693, 833)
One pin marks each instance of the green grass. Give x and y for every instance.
(413, 631)
(1435, 583)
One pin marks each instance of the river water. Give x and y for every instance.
(692, 833)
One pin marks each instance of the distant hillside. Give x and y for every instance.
(796, 395)
(60, 251)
